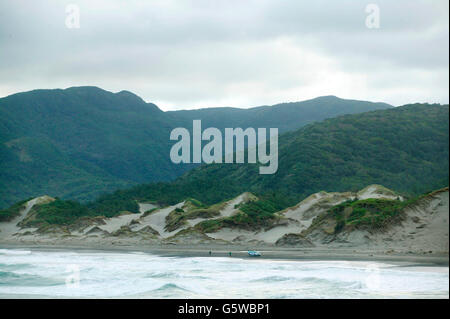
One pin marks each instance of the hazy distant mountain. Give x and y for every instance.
(82, 141)
(284, 116)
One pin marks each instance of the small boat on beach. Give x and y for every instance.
(253, 253)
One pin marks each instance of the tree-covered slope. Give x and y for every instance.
(405, 148)
(80, 142)
(284, 116)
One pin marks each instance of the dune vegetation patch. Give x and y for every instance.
(150, 211)
(13, 211)
(210, 226)
(252, 215)
(372, 214)
(191, 209)
(58, 212)
(110, 206)
(66, 212)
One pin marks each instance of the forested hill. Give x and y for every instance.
(404, 148)
(83, 141)
(286, 116)
(80, 142)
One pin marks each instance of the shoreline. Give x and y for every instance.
(268, 253)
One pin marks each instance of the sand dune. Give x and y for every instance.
(157, 220)
(8, 229)
(424, 228)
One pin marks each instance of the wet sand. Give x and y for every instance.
(241, 252)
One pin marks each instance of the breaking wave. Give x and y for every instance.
(120, 274)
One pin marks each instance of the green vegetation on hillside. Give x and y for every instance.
(260, 209)
(405, 148)
(192, 209)
(13, 211)
(111, 205)
(252, 215)
(370, 213)
(285, 116)
(66, 212)
(81, 142)
(58, 212)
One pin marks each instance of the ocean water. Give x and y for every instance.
(99, 274)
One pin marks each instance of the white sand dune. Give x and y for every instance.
(424, 228)
(305, 211)
(301, 216)
(157, 220)
(114, 223)
(378, 191)
(227, 211)
(270, 236)
(230, 209)
(145, 207)
(298, 217)
(10, 228)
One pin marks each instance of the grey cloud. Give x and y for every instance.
(238, 53)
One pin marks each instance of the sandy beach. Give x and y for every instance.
(238, 251)
(421, 237)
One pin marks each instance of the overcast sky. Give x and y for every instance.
(203, 53)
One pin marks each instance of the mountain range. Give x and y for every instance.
(81, 142)
(405, 148)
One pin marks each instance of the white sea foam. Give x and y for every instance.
(117, 274)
